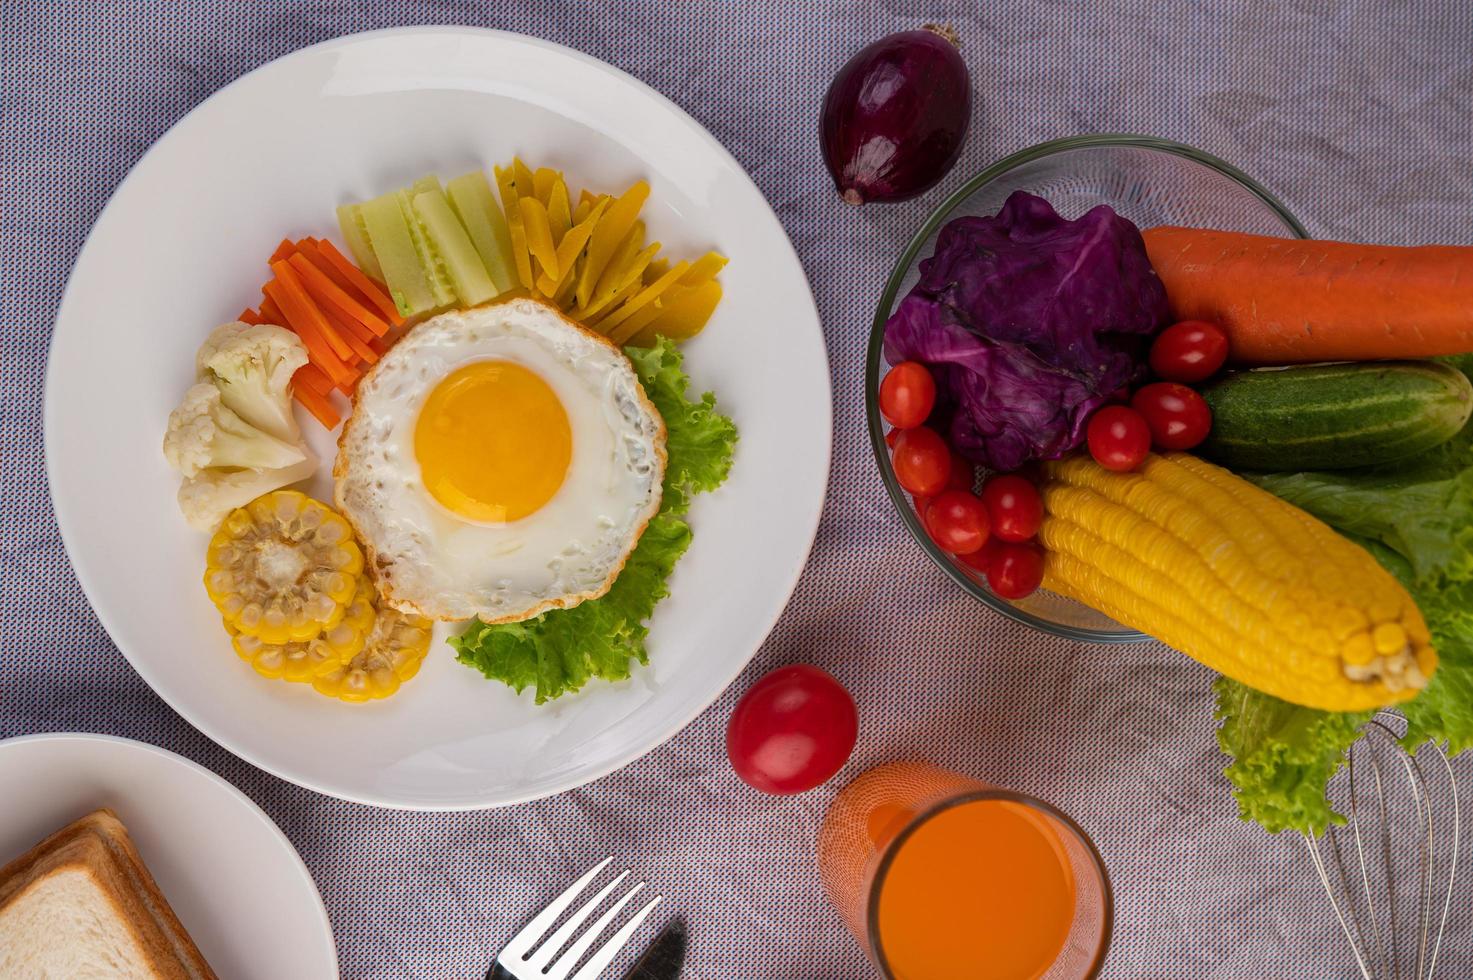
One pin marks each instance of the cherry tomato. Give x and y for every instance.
(792, 731)
(1013, 506)
(1118, 438)
(907, 395)
(1189, 351)
(984, 556)
(1016, 569)
(957, 521)
(891, 436)
(1177, 416)
(922, 461)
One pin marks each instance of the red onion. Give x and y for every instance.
(896, 115)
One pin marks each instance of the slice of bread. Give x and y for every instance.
(81, 905)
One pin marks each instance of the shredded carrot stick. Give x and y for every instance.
(310, 249)
(352, 335)
(250, 316)
(373, 291)
(319, 405)
(283, 250)
(330, 296)
(311, 376)
(308, 323)
(345, 326)
(270, 312)
(301, 305)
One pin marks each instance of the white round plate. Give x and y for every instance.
(182, 247)
(233, 879)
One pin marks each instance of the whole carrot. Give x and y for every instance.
(1288, 301)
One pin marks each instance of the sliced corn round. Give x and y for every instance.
(303, 660)
(283, 568)
(396, 647)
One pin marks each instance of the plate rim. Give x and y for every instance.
(233, 791)
(617, 761)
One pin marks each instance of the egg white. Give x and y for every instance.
(425, 558)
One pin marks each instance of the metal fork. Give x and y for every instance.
(530, 957)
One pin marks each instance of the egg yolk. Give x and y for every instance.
(493, 442)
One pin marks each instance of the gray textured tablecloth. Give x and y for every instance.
(1359, 115)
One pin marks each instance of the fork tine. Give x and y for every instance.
(620, 939)
(523, 941)
(565, 963)
(555, 942)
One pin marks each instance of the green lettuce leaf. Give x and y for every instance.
(1416, 519)
(560, 651)
(1283, 755)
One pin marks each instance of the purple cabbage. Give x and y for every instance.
(1029, 322)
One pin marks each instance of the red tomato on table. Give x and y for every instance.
(792, 731)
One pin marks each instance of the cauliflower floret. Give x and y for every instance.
(204, 434)
(209, 497)
(253, 367)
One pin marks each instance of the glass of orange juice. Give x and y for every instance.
(941, 876)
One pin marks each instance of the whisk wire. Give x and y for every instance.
(1378, 951)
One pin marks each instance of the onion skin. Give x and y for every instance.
(896, 116)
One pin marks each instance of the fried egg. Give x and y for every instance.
(499, 462)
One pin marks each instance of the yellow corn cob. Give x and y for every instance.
(1235, 578)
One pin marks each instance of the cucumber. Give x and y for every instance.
(470, 196)
(462, 262)
(393, 246)
(1334, 416)
(429, 259)
(350, 220)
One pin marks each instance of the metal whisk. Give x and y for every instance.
(1397, 824)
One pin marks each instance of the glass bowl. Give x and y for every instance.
(1151, 182)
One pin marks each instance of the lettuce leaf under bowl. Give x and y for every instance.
(560, 651)
(1416, 518)
(1028, 322)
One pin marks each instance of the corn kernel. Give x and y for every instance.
(1358, 650)
(1389, 638)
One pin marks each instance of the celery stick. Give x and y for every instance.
(397, 257)
(350, 221)
(467, 273)
(470, 196)
(429, 259)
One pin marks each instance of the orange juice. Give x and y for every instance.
(940, 876)
(981, 889)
